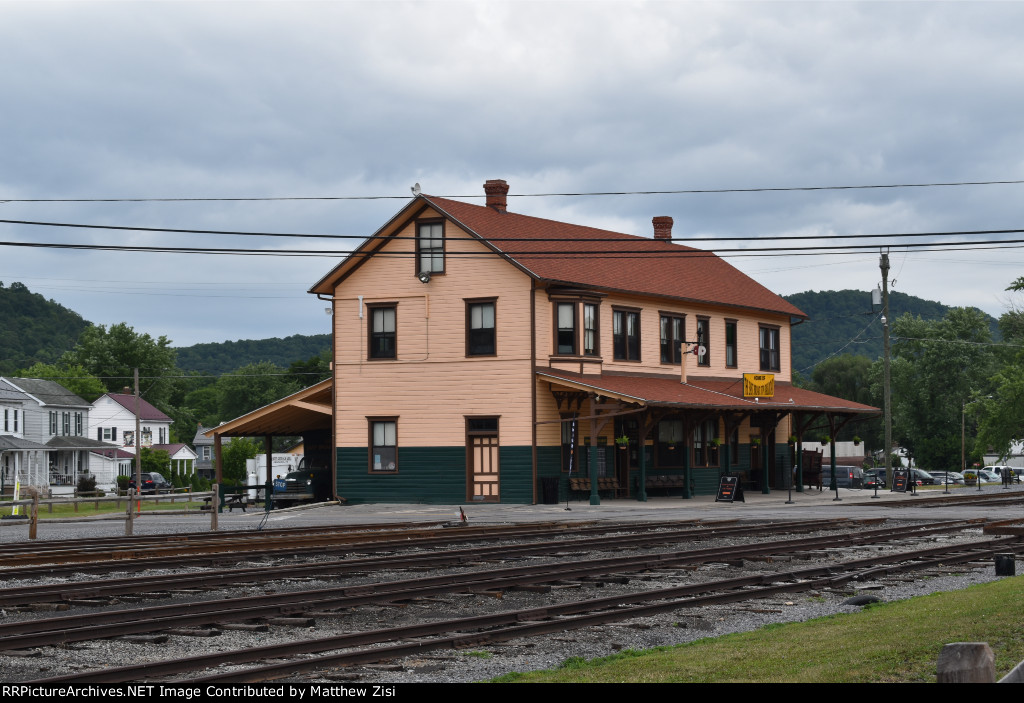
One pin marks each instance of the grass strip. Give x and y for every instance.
(883, 643)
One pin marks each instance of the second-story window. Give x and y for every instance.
(53, 423)
(430, 247)
(591, 330)
(769, 348)
(480, 328)
(672, 329)
(382, 333)
(730, 343)
(704, 340)
(626, 335)
(78, 424)
(565, 341)
(66, 423)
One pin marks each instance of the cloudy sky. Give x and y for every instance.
(164, 100)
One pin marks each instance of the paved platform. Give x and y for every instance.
(809, 504)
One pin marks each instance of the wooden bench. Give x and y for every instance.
(582, 485)
(231, 501)
(664, 482)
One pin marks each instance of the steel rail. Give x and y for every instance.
(609, 609)
(75, 628)
(80, 590)
(221, 549)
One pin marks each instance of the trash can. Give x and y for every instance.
(549, 490)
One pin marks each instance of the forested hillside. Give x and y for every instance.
(217, 358)
(33, 328)
(837, 317)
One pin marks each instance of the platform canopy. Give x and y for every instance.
(294, 415)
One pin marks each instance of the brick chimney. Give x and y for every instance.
(496, 190)
(662, 227)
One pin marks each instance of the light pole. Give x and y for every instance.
(963, 448)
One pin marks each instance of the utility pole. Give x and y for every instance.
(886, 378)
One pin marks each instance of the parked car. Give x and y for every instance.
(1002, 470)
(152, 483)
(953, 476)
(873, 477)
(846, 476)
(923, 478)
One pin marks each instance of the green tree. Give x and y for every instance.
(1001, 416)
(233, 457)
(851, 377)
(112, 355)
(75, 378)
(155, 461)
(251, 387)
(937, 367)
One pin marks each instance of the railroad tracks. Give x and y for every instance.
(566, 562)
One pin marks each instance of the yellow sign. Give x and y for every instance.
(758, 385)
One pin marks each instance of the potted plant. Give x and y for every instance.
(715, 442)
(755, 441)
(622, 441)
(856, 441)
(792, 439)
(825, 439)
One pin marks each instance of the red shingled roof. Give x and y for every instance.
(669, 269)
(146, 410)
(704, 393)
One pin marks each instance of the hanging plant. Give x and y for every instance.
(755, 441)
(622, 441)
(856, 441)
(825, 439)
(792, 439)
(715, 442)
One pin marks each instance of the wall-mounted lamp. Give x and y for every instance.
(424, 276)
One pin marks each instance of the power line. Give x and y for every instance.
(839, 249)
(687, 191)
(632, 238)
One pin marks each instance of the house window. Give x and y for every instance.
(128, 438)
(705, 449)
(430, 247)
(162, 431)
(78, 424)
(626, 335)
(730, 344)
(384, 446)
(672, 328)
(109, 434)
(565, 341)
(206, 454)
(480, 328)
(66, 423)
(53, 423)
(703, 340)
(382, 332)
(591, 330)
(769, 348)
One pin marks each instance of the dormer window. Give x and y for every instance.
(430, 247)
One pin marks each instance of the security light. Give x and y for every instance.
(424, 276)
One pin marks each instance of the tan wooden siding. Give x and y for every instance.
(747, 335)
(432, 384)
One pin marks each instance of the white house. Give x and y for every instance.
(112, 421)
(43, 431)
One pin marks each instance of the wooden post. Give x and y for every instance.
(129, 522)
(34, 517)
(214, 505)
(966, 662)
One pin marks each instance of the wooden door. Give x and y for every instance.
(482, 446)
